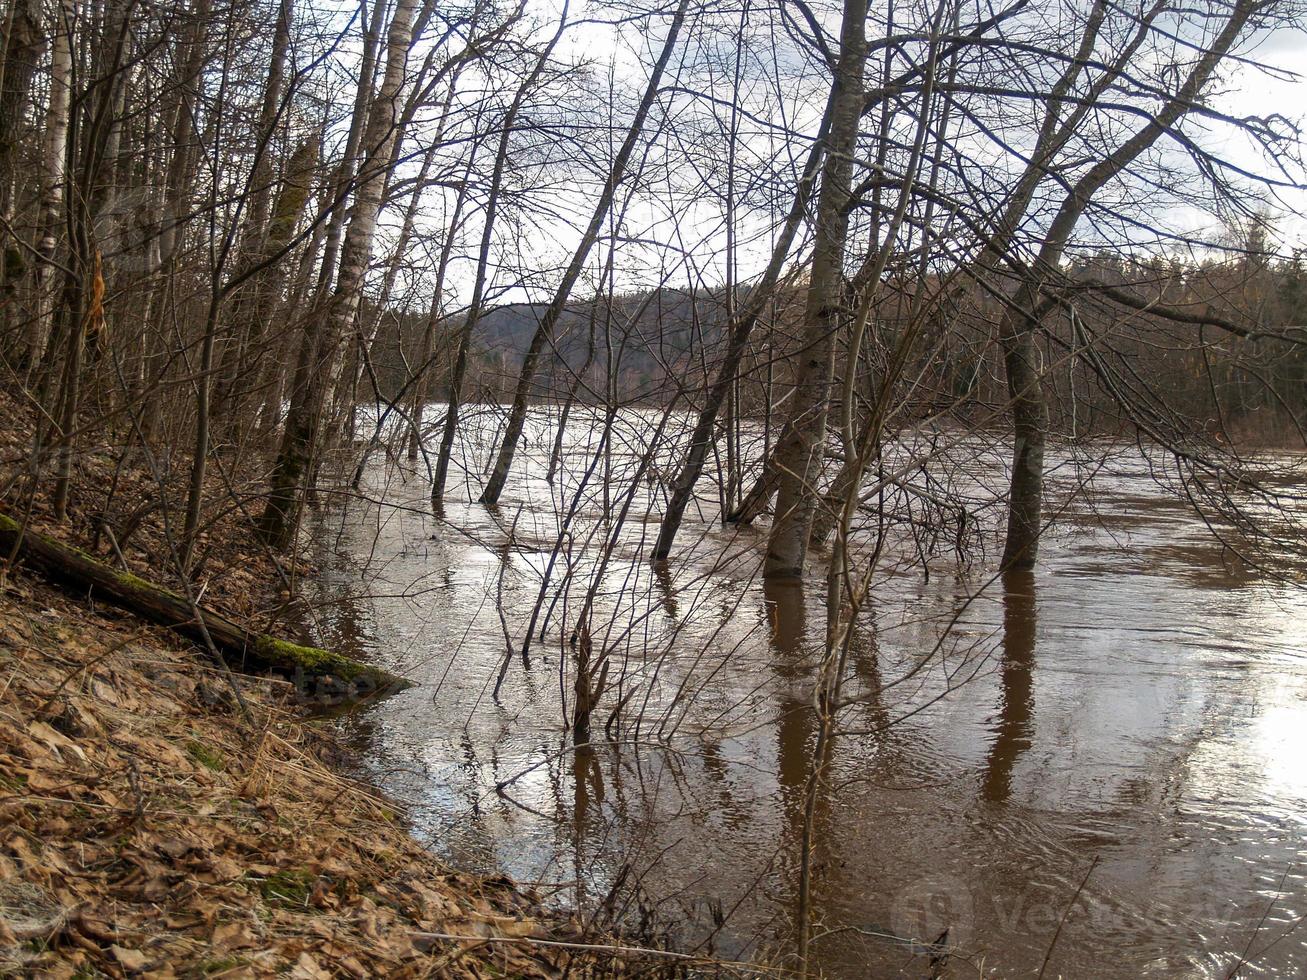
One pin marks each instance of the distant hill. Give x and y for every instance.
(653, 341)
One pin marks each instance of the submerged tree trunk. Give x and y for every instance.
(754, 503)
(799, 451)
(1059, 124)
(758, 297)
(450, 430)
(1029, 430)
(1022, 317)
(420, 382)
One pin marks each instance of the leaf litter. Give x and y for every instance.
(149, 828)
(127, 850)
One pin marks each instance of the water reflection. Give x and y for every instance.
(787, 619)
(1170, 690)
(587, 812)
(1012, 733)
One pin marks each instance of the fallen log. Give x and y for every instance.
(319, 674)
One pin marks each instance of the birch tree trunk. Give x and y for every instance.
(53, 177)
(323, 333)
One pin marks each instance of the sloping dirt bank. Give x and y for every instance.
(150, 828)
(160, 817)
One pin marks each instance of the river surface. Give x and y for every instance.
(1102, 764)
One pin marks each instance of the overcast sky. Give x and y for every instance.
(1253, 92)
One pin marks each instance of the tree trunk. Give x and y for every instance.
(799, 451)
(178, 187)
(81, 314)
(53, 177)
(757, 298)
(1056, 129)
(261, 179)
(754, 504)
(1021, 319)
(252, 651)
(252, 305)
(340, 183)
(1029, 429)
(245, 310)
(24, 44)
(420, 381)
(323, 333)
(450, 430)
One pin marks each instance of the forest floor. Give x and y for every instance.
(160, 817)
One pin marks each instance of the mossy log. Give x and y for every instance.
(245, 650)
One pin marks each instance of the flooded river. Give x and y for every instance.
(1111, 751)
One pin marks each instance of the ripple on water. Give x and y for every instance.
(1138, 707)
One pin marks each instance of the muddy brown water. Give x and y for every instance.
(1111, 750)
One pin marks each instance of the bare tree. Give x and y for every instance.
(799, 452)
(1019, 324)
(322, 335)
(545, 329)
(464, 342)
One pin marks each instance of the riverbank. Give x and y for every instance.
(165, 818)
(152, 829)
